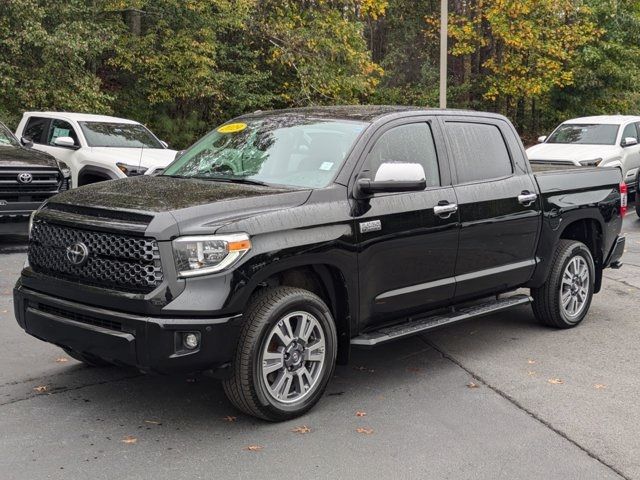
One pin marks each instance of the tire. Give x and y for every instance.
(88, 360)
(637, 206)
(271, 349)
(548, 300)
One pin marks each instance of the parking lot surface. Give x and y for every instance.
(497, 397)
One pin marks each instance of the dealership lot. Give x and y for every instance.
(497, 397)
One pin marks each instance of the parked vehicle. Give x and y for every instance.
(96, 147)
(602, 141)
(352, 226)
(27, 178)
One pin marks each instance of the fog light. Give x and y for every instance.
(191, 340)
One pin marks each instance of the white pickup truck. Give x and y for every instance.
(600, 141)
(95, 147)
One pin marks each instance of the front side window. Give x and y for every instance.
(479, 151)
(36, 129)
(6, 138)
(585, 134)
(286, 149)
(61, 128)
(630, 132)
(118, 135)
(412, 143)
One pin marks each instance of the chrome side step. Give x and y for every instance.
(421, 325)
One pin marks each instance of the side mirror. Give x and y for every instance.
(66, 142)
(164, 144)
(26, 142)
(629, 142)
(542, 139)
(393, 177)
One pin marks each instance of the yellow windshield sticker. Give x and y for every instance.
(232, 127)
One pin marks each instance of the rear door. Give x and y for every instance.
(406, 252)
(498, 204)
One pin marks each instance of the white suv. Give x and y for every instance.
(603, 141)
(95, 147)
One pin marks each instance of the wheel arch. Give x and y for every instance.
(91, 172)
(588, 231)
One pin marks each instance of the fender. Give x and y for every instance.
(99, 171)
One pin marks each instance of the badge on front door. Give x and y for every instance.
(373, 226)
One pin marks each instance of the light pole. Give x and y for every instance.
(444, 27)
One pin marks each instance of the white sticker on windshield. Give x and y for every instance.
(326, 165)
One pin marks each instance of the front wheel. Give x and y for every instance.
(285, 356)
(564, 300)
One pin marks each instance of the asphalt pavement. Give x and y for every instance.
(495, 398)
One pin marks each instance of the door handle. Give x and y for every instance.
(527, 199)
(446, 210)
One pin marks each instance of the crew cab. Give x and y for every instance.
(600, 141)
(349, 227)
(27, 178)
(95, 147)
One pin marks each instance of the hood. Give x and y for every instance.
(25, 157)
(145, 157)
(571, 152)
(196, 205)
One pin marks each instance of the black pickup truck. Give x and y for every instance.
(27, 178)
(282, 239)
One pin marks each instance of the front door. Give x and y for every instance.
(499, 209)
(407, 252)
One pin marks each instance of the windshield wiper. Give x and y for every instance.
(247, 181)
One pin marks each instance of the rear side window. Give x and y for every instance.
(36, 129)
(412, 143)
(61, 128)
(479, 151)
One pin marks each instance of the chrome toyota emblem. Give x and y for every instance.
(25, 177)
(77, 254)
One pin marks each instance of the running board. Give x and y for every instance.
(421, 325)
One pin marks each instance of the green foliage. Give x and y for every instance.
(183, 66)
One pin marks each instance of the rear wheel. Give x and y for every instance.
(564, 300)
(285, 356)
(88, 360)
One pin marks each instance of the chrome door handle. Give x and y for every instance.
(445, 211)
(527, 199)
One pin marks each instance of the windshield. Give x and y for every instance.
(291, 150)
(6, 138)
(119, 135)
(586, 134)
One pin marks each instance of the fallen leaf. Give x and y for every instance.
(5, 311)
(229, 418)
(360, 414)
(41, 389)
(472, 385)
(364, 430)
(531, 373)
(555, 381)
(599, 386)
(191, 380)
(303, 429)
(129, 439)
(62, 359)
(152, 422)
(414, 369)
(531, 362)
(254, 448)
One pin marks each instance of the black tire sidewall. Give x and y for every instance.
(314, 306)
(581, 250)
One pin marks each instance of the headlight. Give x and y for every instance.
(204, 254)
(131, 170)
(591, 163)
(64, 168)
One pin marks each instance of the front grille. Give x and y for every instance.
(114, 261)
(80, 317)
(43, 185)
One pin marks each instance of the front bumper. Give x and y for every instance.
(148, 343)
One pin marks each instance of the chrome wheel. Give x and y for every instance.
(293, 357)
(574, 288)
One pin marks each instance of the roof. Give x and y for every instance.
(363, 113)
(606, 119)
(80, 117)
